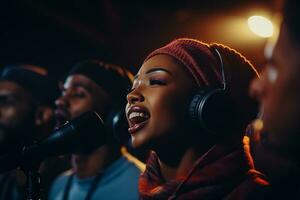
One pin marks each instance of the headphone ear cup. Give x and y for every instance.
(117, 125)
(213, 111)
(195, 106)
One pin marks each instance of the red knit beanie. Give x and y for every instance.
(197, 57)
(204, 64)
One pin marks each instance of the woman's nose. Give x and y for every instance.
(134, 97)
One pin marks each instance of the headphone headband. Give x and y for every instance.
(213, 110)
(222, 67)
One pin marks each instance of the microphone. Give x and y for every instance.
(81, 135)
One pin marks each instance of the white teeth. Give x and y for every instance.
(137, 114)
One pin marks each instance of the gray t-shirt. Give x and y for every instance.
(118, 181)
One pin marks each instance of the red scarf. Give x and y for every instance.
(221, 173)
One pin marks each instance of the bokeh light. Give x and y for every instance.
(261, 26)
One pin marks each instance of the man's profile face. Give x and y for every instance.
(79, 95)
(15, 112)
(278, 92)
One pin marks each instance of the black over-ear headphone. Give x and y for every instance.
(116, 123)
(211, 109)
(115, 120)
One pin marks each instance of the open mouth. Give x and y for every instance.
(138, 118)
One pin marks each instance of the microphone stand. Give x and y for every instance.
(33, 182)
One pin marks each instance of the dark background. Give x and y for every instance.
(56, 34)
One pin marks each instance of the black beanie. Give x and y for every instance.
(44, 90)
(113, 79)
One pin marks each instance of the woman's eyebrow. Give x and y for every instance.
(154, 70)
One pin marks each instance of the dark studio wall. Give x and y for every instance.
(57, 34)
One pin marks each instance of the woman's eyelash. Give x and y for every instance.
(157, 82)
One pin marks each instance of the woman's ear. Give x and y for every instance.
(43, 115)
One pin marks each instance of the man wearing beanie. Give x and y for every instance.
(26, 104)
(104, 173)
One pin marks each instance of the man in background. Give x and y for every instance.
(278, 91)
(27, 97)
(103, 173)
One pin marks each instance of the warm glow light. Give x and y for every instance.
(261, 26)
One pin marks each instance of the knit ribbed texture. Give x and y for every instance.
(197, 57)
